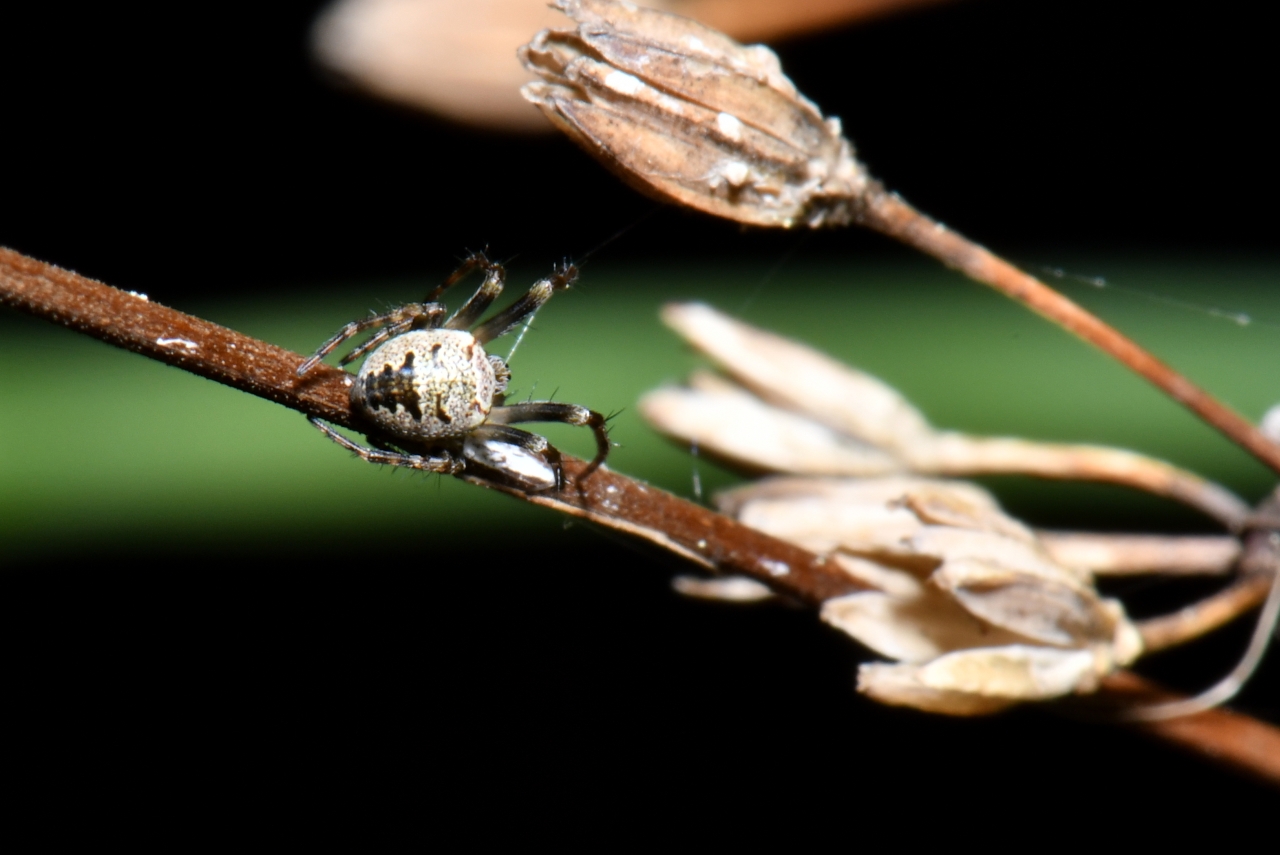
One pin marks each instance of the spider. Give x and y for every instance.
(430, 398)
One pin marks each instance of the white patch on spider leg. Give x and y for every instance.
(524, 468)
(181, 342)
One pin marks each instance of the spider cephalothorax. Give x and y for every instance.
(433, 399)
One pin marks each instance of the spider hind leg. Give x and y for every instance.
(445, 463)
(552, 411)
(535, 298)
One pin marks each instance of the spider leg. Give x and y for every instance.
(551, 411)
(413, 315)
(445, 464)
(494, 276)
(475, 260)
(510, 317)
(522, 457)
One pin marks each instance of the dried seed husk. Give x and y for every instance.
(956, 544)
(1040, 609)
(915, 629)
(868, 530)
(687, 115)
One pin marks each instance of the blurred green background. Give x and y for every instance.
(100, 448)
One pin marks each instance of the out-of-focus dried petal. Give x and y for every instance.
(728, 422)
(453, 59)
(798, 377)
(958, 544)
(983, 680)
(956, 504)
(686, 114)
(729, 589)
(883, 516)
(819, 525)
(911, 630)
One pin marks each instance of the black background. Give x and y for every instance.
(140, 145)
(197, 149)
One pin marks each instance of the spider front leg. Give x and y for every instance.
(511, 317)
(494, 277)
(445, 464)
(393, 323)
(550, 411)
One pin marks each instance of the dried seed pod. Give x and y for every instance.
(686, 114)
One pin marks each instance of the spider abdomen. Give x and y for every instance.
(427, 385)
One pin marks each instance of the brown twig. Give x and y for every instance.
(1205, 615)
(889, 214)
(132, 322)
(1228, 737)
(607, 498)
(1258, 567)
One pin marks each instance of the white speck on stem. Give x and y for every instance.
(775, 568)
(702, 544)
(623, 83)
(181, 342)
(611, 489)
(139, 296)
(735, 172)
(729, 126)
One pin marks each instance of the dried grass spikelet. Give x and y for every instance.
(976, 614)
(974, 610)
(790, 409)
(686, 114)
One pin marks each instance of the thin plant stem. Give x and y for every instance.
(607, 498)
(889, 214)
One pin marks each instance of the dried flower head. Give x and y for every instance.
(977, 611)
(686, 114)
(974, 610)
